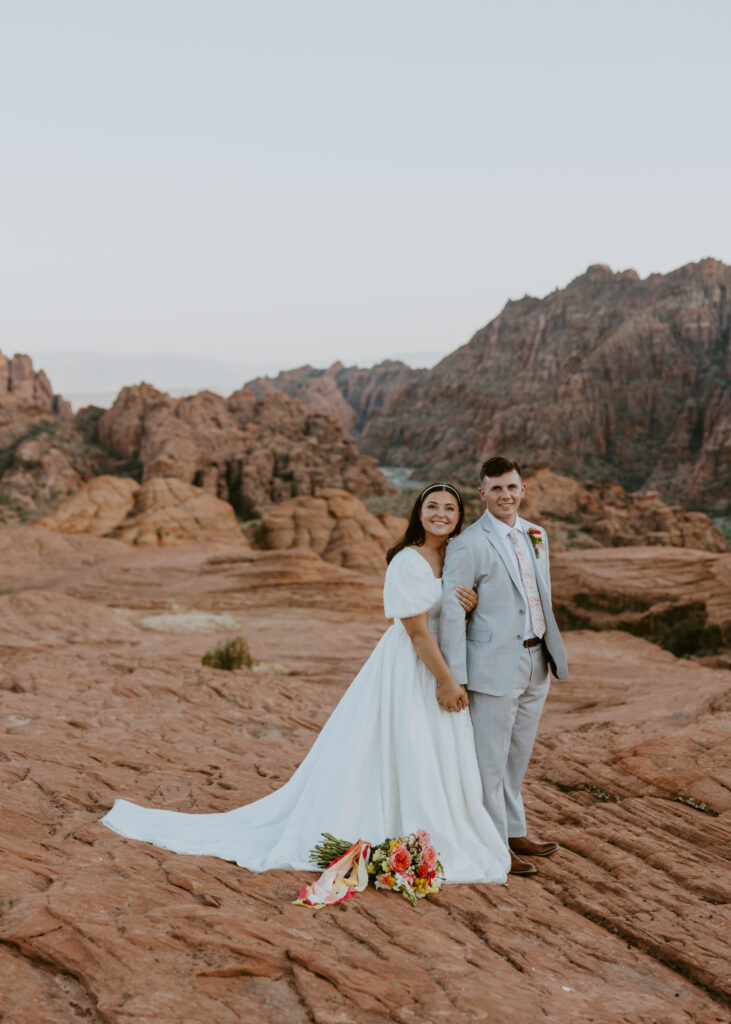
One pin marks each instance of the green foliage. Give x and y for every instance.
(684, 630)
(229, 656)
(251, 528)
(689, 636)
(326, 852)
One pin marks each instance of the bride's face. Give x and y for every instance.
(439, 514)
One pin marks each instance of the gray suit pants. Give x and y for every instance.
(505, 728)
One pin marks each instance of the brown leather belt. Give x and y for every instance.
(533, 642)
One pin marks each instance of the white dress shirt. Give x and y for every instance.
(503, 531)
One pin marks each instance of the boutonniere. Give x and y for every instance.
(536, 538)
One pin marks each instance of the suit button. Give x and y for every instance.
(522, 611)
(518, 636)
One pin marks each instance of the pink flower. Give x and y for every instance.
(400, 859)
(430, 858)
(423, 837)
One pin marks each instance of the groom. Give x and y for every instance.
(502, 653)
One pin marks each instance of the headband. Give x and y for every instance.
(440, 487)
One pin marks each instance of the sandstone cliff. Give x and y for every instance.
(353, 394)
(612, 377)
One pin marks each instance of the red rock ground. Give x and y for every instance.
(629, 922)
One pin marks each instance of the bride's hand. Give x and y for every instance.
(467, 598)
(451, 697)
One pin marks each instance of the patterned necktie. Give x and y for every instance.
(529, 582)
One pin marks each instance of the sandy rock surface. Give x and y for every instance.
(628, 922)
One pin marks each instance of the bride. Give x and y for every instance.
(396, 755)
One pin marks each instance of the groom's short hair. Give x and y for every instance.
(499, 466)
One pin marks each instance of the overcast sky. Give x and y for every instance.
(283, 182)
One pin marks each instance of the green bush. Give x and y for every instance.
(229, 656)
(691, 637)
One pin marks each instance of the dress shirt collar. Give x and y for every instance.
(503, 528)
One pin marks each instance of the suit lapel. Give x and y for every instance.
(497, 542)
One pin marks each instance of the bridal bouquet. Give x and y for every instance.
(406, 864)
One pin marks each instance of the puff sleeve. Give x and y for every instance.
(409, 587)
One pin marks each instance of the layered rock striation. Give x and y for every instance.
(158, 513)
(336, 525)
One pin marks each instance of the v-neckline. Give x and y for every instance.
(417, 552)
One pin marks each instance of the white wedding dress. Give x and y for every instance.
(388, 761)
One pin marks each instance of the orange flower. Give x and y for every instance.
(400, 859)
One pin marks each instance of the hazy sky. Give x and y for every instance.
(283, 182)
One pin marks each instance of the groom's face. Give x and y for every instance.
(502, 495)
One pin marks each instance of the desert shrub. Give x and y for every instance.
(682, 629)
(229, 656)
(691, 637)
(252, 530)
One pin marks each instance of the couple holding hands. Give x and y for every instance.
(473, 629)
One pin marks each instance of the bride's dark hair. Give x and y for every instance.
(415, 535)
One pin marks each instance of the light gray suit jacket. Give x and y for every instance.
(483, 651)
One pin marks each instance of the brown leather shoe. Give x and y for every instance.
(522, 846)
(518, 866)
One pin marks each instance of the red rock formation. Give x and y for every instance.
(26, 399)
(630, 774)
(612, 377)
(246, 451)
(334, 524)
(160, 512)
(604, 515)
(353, 394)
(649, 591)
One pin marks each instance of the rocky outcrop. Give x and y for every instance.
(20, 383)
(677, 597)
(612, 377)
(169, 511)
(335, 525)
(247, 451)
(605, 515)
(160, 512)
(34, 471)
(97, 507)
(27, 400)
(629, 774)
(351, 393)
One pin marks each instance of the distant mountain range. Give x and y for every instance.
(612, 377)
